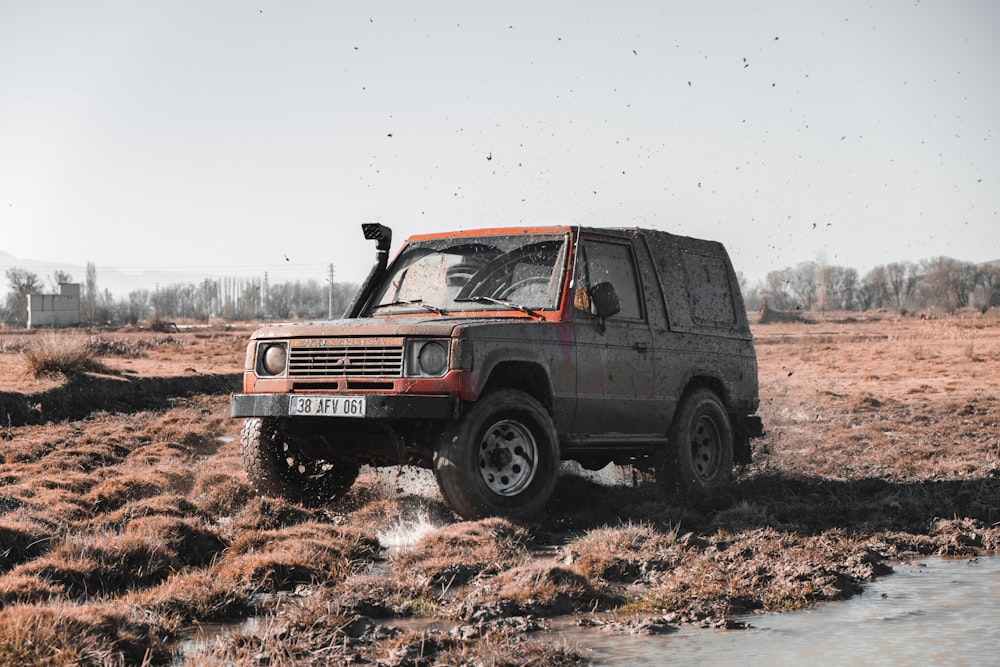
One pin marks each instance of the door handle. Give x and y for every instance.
(641, 347)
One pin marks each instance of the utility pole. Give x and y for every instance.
(330, 308)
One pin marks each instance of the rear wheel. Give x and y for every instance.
(277, 468)
(698, 461)
(500, 459)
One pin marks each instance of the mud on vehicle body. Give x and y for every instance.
(491, 355)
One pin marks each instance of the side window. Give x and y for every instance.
(601, 262)
(708, 287)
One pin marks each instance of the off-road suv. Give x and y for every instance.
(491, 355)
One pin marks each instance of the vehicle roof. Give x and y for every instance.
(492, 231)
(654, 235)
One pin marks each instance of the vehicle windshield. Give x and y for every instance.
(455, 274)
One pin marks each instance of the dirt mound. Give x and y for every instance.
(82, 395)
(768, 315)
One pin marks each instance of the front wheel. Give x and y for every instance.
(699, 457)
(500, 459)
(277, 468)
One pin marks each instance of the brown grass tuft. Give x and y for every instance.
(382, 596)
(275, 560)
(195, 596)
(265, 513)
(540, 588)
(115, 491)
(454, 554)
(72, 634)
(191, 543)
(59, 354)
(21, 541)
(27, 589)
(222, 489)
(624, 553)
(166, 505)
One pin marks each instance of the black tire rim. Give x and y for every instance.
(706, 448)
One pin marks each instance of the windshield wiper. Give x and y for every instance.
(503, 302)
(413, 302)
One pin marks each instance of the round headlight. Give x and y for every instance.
(274, 359)
(433, 358)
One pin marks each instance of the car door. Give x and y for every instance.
(615, 374)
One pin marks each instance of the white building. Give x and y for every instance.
(55, 310)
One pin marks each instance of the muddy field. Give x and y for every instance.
(126, 521)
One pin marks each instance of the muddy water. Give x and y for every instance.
(937, 612)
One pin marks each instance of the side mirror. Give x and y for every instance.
(605, 300)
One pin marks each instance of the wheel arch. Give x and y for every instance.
(527, 376)
(706, 381)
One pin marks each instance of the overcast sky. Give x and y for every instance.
(242, 137)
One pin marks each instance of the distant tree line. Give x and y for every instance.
(232, 299)
(940, 283)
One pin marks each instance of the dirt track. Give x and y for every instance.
(126, 518)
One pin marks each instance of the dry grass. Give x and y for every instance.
(194, 597)
(74, 634)
(59, 354)
(120, 529)
(22, 540)
(317, 635)
(456, 553)
(307, 553)
(625, 553)
(548, 589)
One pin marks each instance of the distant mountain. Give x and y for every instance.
(119, 283)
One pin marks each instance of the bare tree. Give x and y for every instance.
(901, 282)
(752, 294)
(947, 283)
(22, 283)
(873, 292)
(278, 303)
(88, 303)
(991, 282)
(137, 307)
(59, 276)
(844, 286)
(803, 285)
(207, 300)
(776, 289)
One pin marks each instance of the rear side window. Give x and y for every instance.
(708, 289)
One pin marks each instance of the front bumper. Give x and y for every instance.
(377, 406)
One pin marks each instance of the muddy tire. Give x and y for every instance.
(698, 462)
(500, 459)
(276, 468)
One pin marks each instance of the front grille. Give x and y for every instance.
(346, 361)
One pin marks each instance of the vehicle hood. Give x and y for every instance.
(430, 325)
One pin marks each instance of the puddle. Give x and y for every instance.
(934, 612)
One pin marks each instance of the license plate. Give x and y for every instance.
(327, 406)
